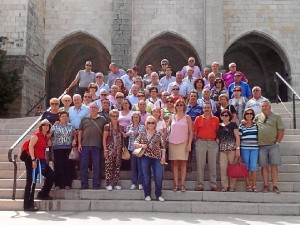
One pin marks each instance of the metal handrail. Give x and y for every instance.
(41, 99)
(295, 94)
(14, 158)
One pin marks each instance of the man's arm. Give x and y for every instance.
(280, 135)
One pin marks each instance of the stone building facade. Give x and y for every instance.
(49, 40)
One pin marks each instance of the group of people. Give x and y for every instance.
(168, 117)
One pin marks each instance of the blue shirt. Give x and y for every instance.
(133, 99)
(194, 111)
(127, 81)
(246, 91)
(166, 81)
(103, 86)
(75, 116)
(212, 102)
(112, 77)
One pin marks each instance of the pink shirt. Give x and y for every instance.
(196, 74)
(125, 120)
(179, 130)
(229, 77)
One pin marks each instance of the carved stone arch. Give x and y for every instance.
(69, 56)
(259, 56)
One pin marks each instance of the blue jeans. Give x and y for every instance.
(250, 157)
(136, 170)
(157, 169)
(84, 162)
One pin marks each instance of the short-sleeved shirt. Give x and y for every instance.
(166, 81)
(75, 116)
(183, 88)
(91, 134)
(85, 78)
(248, 135)
(206, 128)
(127, 80)
(226, 137)
(197, 71)
(255, 104)
(112, 77)
(102, 86)
(268, 128)
(51, 117)
(189, 83)
(246, 91)
(158, 86)
(194, 111)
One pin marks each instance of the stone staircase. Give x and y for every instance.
(240, 202)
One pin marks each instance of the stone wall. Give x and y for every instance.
(277, 20)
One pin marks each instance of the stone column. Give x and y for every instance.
(121, 33)
(214, 32)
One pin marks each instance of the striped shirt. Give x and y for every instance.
(248, 136)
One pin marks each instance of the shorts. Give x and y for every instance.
(250, 157)
(269, 155)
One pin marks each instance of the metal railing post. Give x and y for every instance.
(294, 111)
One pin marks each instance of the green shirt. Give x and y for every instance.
(268, 128)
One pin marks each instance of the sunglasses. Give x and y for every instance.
(248, 114)
(236, 90)
(54, 103)
(88, 65)
(225, 115)
(141, 96)
(120, 97)
(87, 96)
(151, 123)
(181, 105)
(175, 89)
(237, 75)
(99, 77)
(163, 64)
(103, 94)
(114, 116)
(219, 82)
(93, 87)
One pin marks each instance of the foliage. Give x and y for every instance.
(10, 84)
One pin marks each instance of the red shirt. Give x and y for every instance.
(206, 128)
(40, 146)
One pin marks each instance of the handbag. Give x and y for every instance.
(237, 170)
(125, 153)
(74, 154)
(138, 152)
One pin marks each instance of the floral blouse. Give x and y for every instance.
(226, 136)
(155, 144)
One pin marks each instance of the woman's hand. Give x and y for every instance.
(163, 161)
(237, 153)
(79, 148)
(34, 164)
(74, 142)
(144, 146)
(188, 148)
(105, 154)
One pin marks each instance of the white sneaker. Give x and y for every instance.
(109, 188)
(118, 187)
(140, 187)
(133, 186)
(148, 198)
(161, 199)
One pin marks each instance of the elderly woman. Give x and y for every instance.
(239, 102)
(120, 98)
(52, 114)
(180, 145)
(175, 93)
(92, 89)
(63, 140)
(218, 90)
(229, 146)
(154, 157)
(169, 110)
(132, 131)
(66, 101)
(34, 158)
(224, 104)
(249, 147)
(112, 146)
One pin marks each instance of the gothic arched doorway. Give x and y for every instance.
(166, 46)
(69, 56)
(259, 58)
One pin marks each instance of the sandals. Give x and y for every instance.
(224, 189)
(266, 188)
(249, 189)
(232, 189)
(254, 189)
(183, 188)
(175, 189)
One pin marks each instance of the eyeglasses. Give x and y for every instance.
(169, 101)
(236, 90)
(66, 100)
(99, 77)
(88, 64)
(175, 89)
(163, 64)
(114, 116)
(54, 103)
(256, 90)
(218, 82)
(119, 97)
(181, 105)
(151, 123)
(248, 114)
(237, 75)
(265, 120)
(140, 96)
(191, 60)
(87, 96)
(103, 94)
(93, 107)
(93, 87)
(225, 115)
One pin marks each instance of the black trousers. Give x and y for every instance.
(47, 172)
(62, 168)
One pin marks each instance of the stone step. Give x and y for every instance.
(16, 131)
(202, 207)
(28, 120)
(284, 186)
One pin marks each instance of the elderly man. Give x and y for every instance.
(206, 71)
(128, 77)
(206, 99)
(133, 98)
(189, 79)
(103, 95)
(142, 109)
(113, 91)
(164, 64)
(270, 134)
(191, 64)
(154, 83)
(211, 81)
(205, 128)
(246, 91)
(100, 84)
(183, 88)
(114, 74)
(77, 112)
(254, 103)
(167, 79)
(90, 144)
(229, 76)
(84, 77)
(215, 67)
